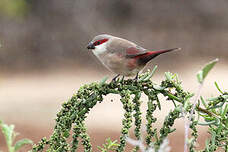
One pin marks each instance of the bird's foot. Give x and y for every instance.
(122, 79)
(136, 77)
(114, 79)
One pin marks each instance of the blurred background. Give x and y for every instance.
(44, 60)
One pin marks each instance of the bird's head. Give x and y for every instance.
(99, 42)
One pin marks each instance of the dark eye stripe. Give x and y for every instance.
(99, 42)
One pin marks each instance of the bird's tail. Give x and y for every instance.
(144, 58)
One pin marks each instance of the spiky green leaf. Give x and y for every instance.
(8, 133)
(201, 75)
(21, 143)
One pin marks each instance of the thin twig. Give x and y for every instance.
(187, 121)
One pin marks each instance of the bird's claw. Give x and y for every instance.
(136, 77)
(122, 79)
(114, 79)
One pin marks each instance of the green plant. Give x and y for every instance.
(109, 145)
(13, 8)
(74, 112)
(10, 135)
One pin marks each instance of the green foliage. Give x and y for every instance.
(13, 8)
(109, 146)
(201, 75)
(214, 112)
(217, 120)
(10, 135)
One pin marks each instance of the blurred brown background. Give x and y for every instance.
(44, 60)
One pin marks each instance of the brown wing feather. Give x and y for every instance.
(125, 48)
(132, 52)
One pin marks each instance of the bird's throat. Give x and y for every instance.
(100, 49)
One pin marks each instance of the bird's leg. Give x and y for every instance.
(122, 79)
(136, 77)
(114, 79)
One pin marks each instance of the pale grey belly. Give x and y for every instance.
(119, 65)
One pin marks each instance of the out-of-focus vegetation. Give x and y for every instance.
(10, 135)
(13, 8)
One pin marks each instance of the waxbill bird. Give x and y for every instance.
(121, 56)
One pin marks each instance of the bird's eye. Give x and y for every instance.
(97, 43)
(100, 42)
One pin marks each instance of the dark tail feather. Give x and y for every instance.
(143, 59)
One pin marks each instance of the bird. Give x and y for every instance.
(122, 56)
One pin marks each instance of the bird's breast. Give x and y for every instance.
(100, 50)
(118, 63)
(114, 60)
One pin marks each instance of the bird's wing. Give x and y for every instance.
(125, 48)
(132, 52)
